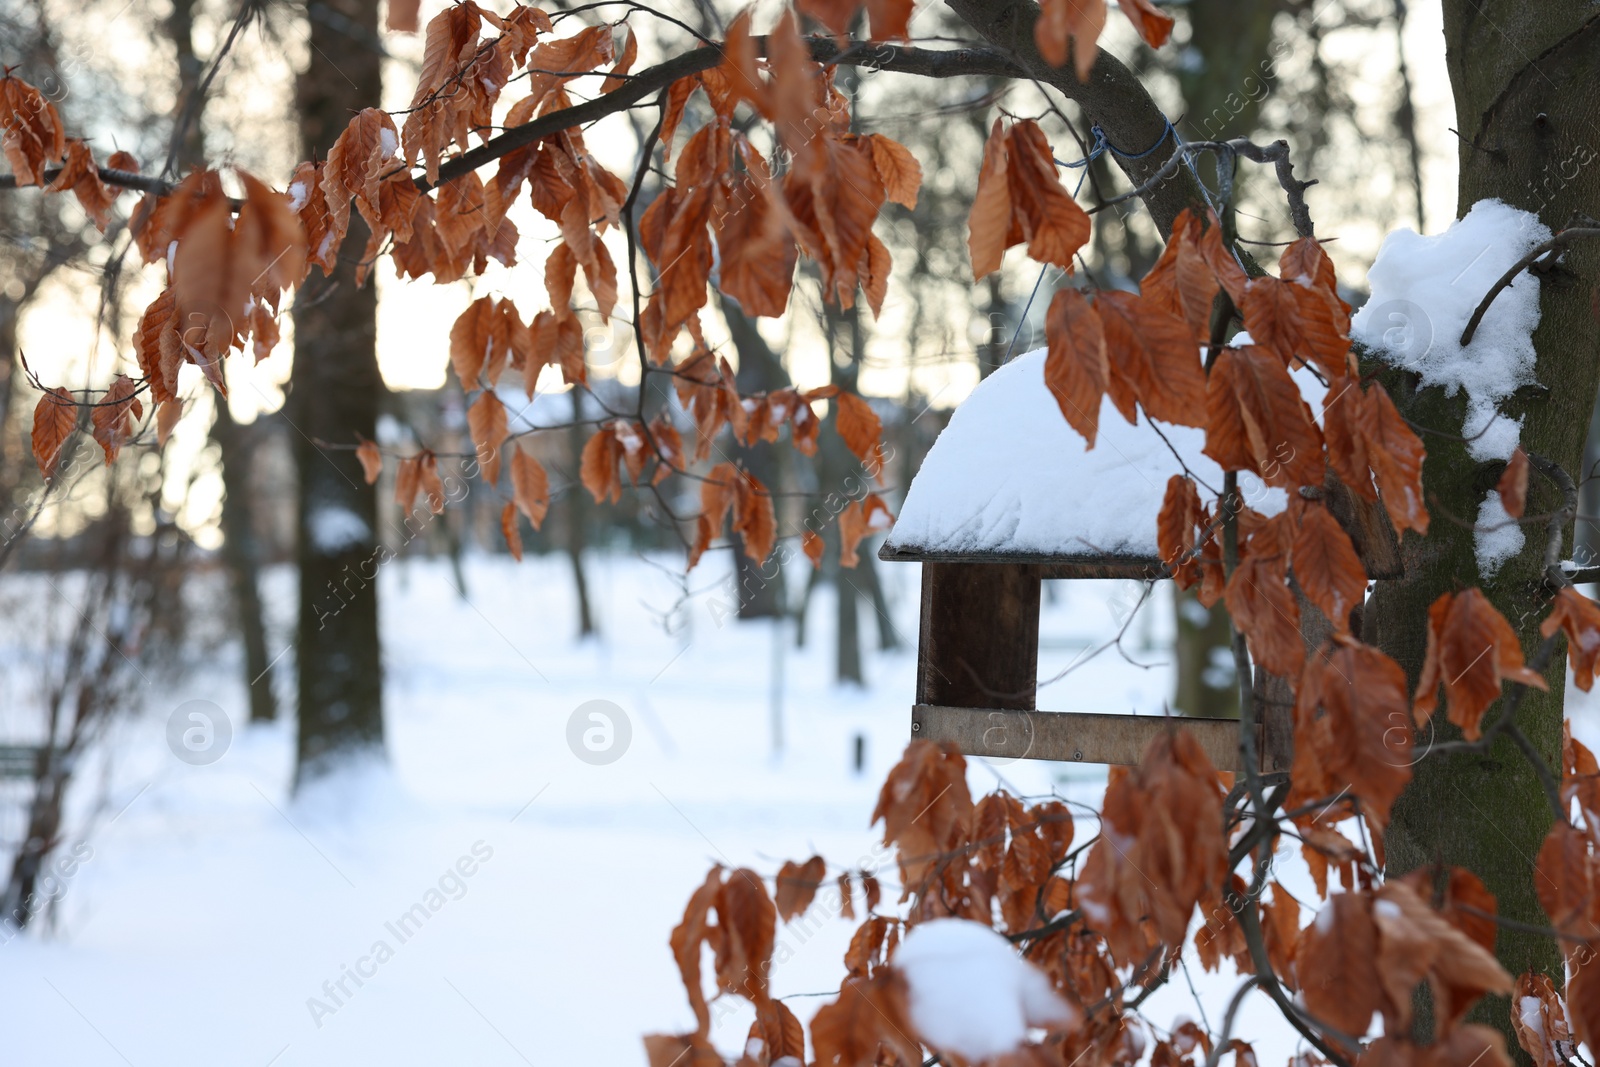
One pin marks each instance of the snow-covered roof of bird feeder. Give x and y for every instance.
(1009, 481)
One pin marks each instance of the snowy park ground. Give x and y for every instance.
(213, 911)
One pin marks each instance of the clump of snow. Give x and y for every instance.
(299, 194)
(971, 994)
(1425, 289)
(335, 528)
(389, 141)
(1497, 536)
(1009, 475)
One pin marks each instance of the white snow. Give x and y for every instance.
(335, 528)
(1496, 536)
(299, 193)
(1425, 289)
(971, 993)
(1008, 474)
(389, 141)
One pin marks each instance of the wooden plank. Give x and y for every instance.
(1050, 565)
(978, 645)
(1068, 737)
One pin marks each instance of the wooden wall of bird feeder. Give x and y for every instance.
(1010, 495)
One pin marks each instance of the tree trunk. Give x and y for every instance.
(839, 472)
(576, 506)
(1526, 79)
(241, 554)
(334, 396)
(760, 585)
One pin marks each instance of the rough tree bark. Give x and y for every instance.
(334, 394)
(1526, 80)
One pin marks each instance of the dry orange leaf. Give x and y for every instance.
(1076, 370)
(1580, 618)
(1472, 649)
(54, 419)
(115, 416)
(508, 527)
(797, 885)
(1069, 29)
(1513, 484)
(371, 460)
(530, 486)
(1326, 564)
(486, 422)
(30, 130)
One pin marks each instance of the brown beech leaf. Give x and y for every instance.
(54, 419)
(401, 16)
(1564, 879)
(1076, 370)
(1396, 455)
(1539, 1020)
(1252, 401)
(1264, 608)
(30, 130)
(1300, 323)
(1280, 929)
(1580, 618)
(1053, 224)
(870, 1014)
(797, 885)
(1153, 25)
(486, 422)
(754, 519)
(1336, 960)
(1415, 941)
(79, 173)
(1472, 649)
(371, 460)
(1513, 485)
(167, 415)
(1161, 850)
(1153, 360)
(897, 168)
(1181, 512)
(1069, 29)
(1580, 775)
(1583, 1001)
(428, 481)
(508, 527)
(1326, 565)
(598, 466)
(812, 545)
(989, 222)
(859, 426)
(115, 416)
(926, 809)
(530, 486)
(758, 253)
(1352, 730)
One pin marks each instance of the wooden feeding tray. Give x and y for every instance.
(1009, 496)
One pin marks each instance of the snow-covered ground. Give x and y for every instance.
(214, 917)
(213, 906)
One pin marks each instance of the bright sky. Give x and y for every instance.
(252, 127)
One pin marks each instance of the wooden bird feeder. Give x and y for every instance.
(1009, 496)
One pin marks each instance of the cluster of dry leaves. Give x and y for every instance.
(1111, 918)
(232, 247)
